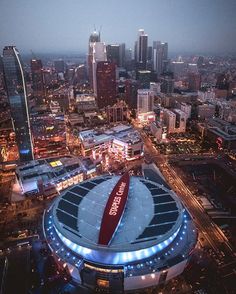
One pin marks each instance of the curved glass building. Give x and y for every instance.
(17, 96)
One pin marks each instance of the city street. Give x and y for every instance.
(210, 233)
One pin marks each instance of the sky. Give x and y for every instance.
(189, 26)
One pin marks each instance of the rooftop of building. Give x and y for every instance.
(49, 171)
(124, 133)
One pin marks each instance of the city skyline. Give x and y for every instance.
(197, 27)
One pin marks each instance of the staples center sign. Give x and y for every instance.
(114, 210)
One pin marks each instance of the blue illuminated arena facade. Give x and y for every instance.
(151, 243)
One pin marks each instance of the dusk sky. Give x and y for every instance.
(199, 26)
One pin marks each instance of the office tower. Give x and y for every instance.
(145, 101)
(128, 55)
(105, 83)
(99, 54)
(144, 78)
(167, 83)
(160, 56)
(142, 49)
(94, 37)
(164, 46)
(122, 55)
(16, 91)
(149, 57)
(113, 53)
(130, 93)
(178, 68)
(59, 66)
(194, 81)
(37, 77)
(157, 57)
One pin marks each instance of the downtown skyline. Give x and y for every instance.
(196, 27)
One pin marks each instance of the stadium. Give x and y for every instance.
(120, 233)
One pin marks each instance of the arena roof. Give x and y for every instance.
(151, 216)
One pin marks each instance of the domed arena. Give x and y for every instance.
(120, 233)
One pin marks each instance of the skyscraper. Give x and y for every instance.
(142, 49)
(167, 83)
(122, 55)
(99, 54)
(94, 37)
(59, 66)
(113, 53)
(37, 77)
(160, 56)
(106, 83)
(16, 91)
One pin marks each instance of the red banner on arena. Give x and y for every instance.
(114, 210)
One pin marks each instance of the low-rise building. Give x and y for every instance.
(121, 140)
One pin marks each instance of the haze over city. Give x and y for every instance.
(117, 147)
(203, 26)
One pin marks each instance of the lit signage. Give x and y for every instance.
(55, 163)
(114, 210)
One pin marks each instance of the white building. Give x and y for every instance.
(170, 120)
(122, 140)
(145, 101)
(186, 108)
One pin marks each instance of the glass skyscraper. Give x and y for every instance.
(16, 91)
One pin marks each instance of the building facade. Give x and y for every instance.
(145, 101)
(37, 77)
(16, 91)
(106, 84)
(142, 49)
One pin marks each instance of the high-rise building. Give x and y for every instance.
(194, 81)
(167, 83)
(160, 56)
(178, 68)
(37, 77)
(113, 53)
(130, 93)
(106, 83)
(59, 66)
(142, 49)
(145, 101)
(16, 91)
(94, 37)
(144, 78)
(99, 54)
(122, 55)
